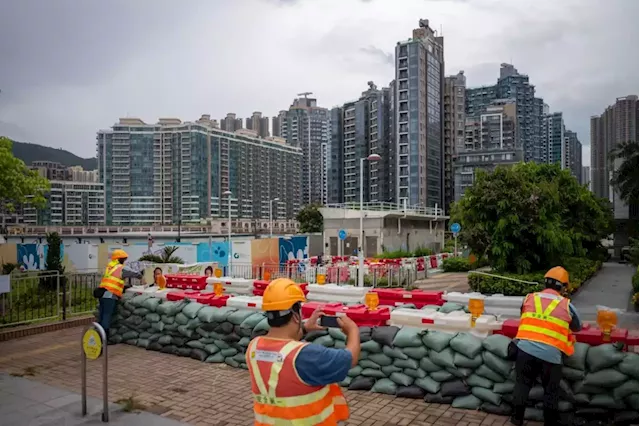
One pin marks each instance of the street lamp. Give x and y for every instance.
(228, 194)
(270, 219)
(371, 157)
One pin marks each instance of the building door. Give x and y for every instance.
(333, 246)
(371, 247)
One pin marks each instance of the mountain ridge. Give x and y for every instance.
(30, 152)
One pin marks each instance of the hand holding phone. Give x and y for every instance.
(329, 321)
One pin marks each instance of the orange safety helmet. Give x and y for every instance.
(119, 254)
(281, 294)
(559, 274)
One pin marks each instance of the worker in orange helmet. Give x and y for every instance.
(544, 335)
(294, 382)
(112, 287)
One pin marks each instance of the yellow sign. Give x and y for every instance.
(218, 289)
(218, 272)
(372, 300)
(321, 278)
(92, 344)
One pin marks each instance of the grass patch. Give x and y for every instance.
(130, 404)
(26, 372)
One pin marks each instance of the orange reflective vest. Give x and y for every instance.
(280, 397)
(545, 319)
(112, 278)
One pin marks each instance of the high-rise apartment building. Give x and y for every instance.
(279, 124)
(71, 203)
(230, 123)
(174, 171)
(50, 170)
(454, 129)
(513, 85)
(552, 146)
(491, 140)
(258, 124)
(307, 126)
(358, 129)
(418, 121)
(573, 155)
(586, 177)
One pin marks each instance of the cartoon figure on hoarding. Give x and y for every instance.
(157, 276)
(208, 271)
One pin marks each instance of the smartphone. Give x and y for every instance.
(329, 321)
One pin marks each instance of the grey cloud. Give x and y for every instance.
(384, 57)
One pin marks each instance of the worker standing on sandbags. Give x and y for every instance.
(294, 382)
(544, 335)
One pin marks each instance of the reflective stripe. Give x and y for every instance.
(545, 331)
(314, 420)
(542, 326)
(553, 320)
(112, 283)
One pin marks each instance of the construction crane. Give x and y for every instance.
(305, 94)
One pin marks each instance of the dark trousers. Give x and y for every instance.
(105, 312)
(528, 368)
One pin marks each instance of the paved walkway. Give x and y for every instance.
(28, 403)
(194, 392)
(610, 287)
(446, 281)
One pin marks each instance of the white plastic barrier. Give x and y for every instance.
(496, 304)
(453, 322)
(334, 293)
(232, 285)
(246, 302)
(151, 291)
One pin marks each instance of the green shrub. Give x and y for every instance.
(634, 282)
(456, 264)
(7, 268)
(396, 254)
(422, 251)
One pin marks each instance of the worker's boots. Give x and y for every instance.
(517, 417)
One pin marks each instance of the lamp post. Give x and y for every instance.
(270, 216)
(371, 157)
(229, 262)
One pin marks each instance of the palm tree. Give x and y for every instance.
(625, 178)
(166, 256)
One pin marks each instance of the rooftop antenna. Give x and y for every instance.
(305, 94)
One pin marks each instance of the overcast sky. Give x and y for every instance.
(69, 67)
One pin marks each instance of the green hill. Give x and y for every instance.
(30, 152)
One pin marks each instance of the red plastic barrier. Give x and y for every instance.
(192, 282)
(593, 336)
(182, 294)
(444, 256)
(259, 286)
(328, 308)
(509, 328)
(218, 301)
(632, 338)
(433, 261)
(398, 296)
(362, 316)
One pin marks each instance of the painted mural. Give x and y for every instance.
(33, 257)
(292, 248)
(186, 251)
(265, 251)
(216, 252)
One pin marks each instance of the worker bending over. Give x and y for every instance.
(294, 382)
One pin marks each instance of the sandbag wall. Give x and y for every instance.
(458, 369)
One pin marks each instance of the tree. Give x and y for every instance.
(530, 216)
(310, 219)
(53, 262)
(625, 178)
(166, 256)
(18, 184)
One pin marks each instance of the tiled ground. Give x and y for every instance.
(194, 392)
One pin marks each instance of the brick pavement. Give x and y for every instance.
(195, 392)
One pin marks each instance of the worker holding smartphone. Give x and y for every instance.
(296, 382)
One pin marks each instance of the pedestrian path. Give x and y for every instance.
(26, 403)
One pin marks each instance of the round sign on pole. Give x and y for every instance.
(455, 228)
(342, 234)
(92, 344)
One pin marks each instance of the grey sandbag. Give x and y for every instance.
(339, 344)
(130, 335)
(418, 352)
(371, 346)
(262, 326)
(185, 352)
(385, 386)
(232, 362)
(178, 341)
(211, 348)
(466, 344)
(239, 358)
(442, 358)
(415, 373)
(407, 306)
(401, 379)
(460, 373)
(384, 335)
(579, 358)
(313, 335)
(363, 355)
(231, 338)
(221, 344)
(565, 392)
(462, 361)
(372, 372)
(222, 313)
(436, 398)
(165, 340)
(325, 341)
(142, 343)
(244, 342)
(408, 337)
(140, 312)
(629, 365)
(497, 364)
(145, 335)
(388, 369)
(252, 320)
(478, 381)
(488, 373)
(406, 363)
(151, 303)
(166, 319)
(580, 387)
(207, 340)
(229, 352)
(337, 334)
(534, 414)
(441, 376)
(500, 410)
(185, 331)
(381, 359)
(152, 317)
(191, 309)
(437, 340)
(450, 307)
(170, 308)
(238, 316)
(155, 346)
(115, 339)
(629, 387)
(394, 352)
(158, 326)
(202, 332)
(626, 418)
(207, 313)
(497, 344)
(468, 402)
(365, 363)
(603, 356)
(412, 391)
(632, 401)
(607, 378)
(138, 299)
(195, 344)
(572, 374)
(582, 399)
(144, 325)
(502, 388)
(427, 365)
(198, 354)
(216, 358)
(224, 328)
(486, 395)
(536, 393)
(454, 388)
(355, 371)
(362, 383)
(606, 401)
(169, 349)
(365, 334)
(346, 382)
(182, 319)
(428, 384)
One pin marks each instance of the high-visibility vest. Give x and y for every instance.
(545, 319)
(112, 278)
(280, 397)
